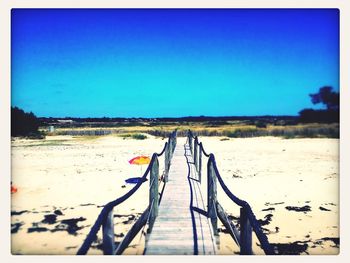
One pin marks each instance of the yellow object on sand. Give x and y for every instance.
(140, 160)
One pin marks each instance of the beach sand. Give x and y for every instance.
(63, 181)
(292, 186)
(74, 177)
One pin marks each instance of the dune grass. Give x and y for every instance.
(230, 129)
(135, 136)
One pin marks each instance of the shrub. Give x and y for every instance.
(320, 116)
(24, 124)
(248, 132)
(328, 98)
(138, 136)
(216, 123)
(260, 124)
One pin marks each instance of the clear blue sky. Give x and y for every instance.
(171, 63)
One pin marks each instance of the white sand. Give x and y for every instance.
(76, 176)
(297, 172)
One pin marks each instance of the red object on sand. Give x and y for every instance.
(13, 189)
(139, 160)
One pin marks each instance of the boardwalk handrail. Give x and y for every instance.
(105, 218)
(248, 220)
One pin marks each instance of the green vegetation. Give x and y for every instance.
(309, 124)
(330, 100)
(125, 135)
(246, 132)
(261, 124)
(25, 124)
(234, 129)
(136, 136)
(298, 131)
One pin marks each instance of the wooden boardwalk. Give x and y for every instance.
(184, 221)
(180, 229)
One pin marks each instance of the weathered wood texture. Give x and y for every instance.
(153, 193)
(212, 197)
(246, 234)
(108, 235)
(230, 227)
(174, 229)
(132, 232)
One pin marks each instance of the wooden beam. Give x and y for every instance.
(167, 160)
(212, 192)
(200, 164)
(246, 234)
(195, 152)
(108, 234)
(231, 228)
(132, 232)
(153, 193)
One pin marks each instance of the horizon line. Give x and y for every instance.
(172, 117)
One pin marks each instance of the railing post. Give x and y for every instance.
(246, 233)
(200, 164)
(167, 161)
(153, 193)
(195, 153)
(171, 146)
(190, 140)
(108, 235)
(173, 142)
(212, 189)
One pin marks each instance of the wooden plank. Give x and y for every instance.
(161, 250)
(173, 230)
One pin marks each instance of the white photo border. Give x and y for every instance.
(5, 103)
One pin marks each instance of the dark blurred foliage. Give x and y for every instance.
(330, 99)
(23, 124)
(326, 96)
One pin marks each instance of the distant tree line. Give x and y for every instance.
(27, 124)
(327, 97)
(165, 120)
(24, 124)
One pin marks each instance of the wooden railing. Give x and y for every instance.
(248, 221)
(106, 216)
